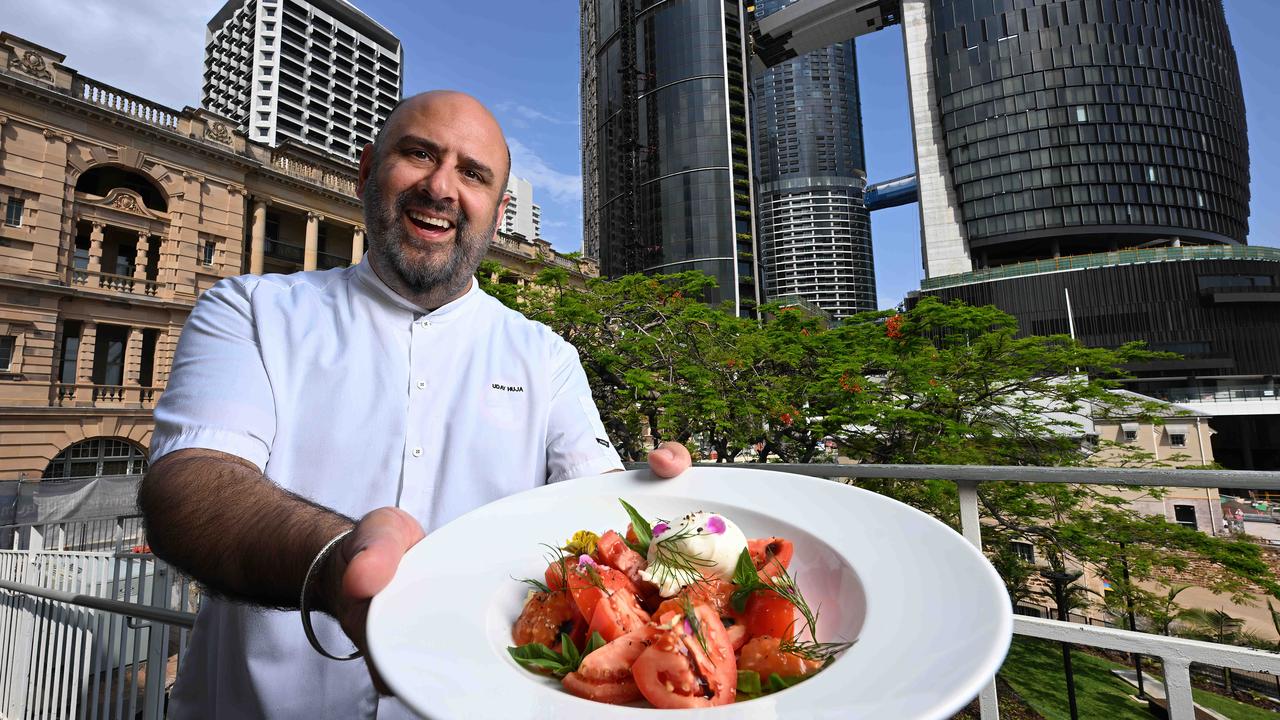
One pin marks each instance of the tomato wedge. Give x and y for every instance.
(617, 615)
(768, 553)
(605, 675)
(768, 613)
(764, 655)
(675, 671)
(544, 617)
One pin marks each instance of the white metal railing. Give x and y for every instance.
(1176, 653)
(92, 633)
(85, 657)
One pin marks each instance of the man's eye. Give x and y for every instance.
(420, 154)
(473, 175)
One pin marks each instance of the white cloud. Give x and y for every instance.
(561, 187)
(151, 48)
(522, 115)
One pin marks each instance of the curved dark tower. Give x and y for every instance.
(1084, 165)
(1077, 127)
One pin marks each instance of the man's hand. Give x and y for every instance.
(669, 459)
(365, 562)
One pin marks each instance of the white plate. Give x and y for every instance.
(930, 616)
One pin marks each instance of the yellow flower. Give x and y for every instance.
(583, 542)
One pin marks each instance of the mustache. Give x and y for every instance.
(413, 200)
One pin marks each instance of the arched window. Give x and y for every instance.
(103, 179)
(97, 457)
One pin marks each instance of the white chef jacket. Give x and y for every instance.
(349, 395)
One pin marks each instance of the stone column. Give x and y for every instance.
(357, 245)
(258, 240)
(84, 360)
(132, 357)
(140, 258)
(95, 248)
(313, 242)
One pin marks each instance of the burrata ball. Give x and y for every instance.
(684, 551)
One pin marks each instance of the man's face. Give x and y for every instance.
(433, 192)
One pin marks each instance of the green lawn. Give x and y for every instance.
(1034, 670)
(1230, 708)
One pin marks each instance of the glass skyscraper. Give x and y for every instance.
(666, 149)
(814, 230)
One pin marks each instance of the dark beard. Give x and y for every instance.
(387, 238)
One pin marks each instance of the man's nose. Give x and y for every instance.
(441, 183)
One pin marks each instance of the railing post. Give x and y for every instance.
(988, 702)
(157, 646)
(1177, 688)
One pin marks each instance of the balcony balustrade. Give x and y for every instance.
(117, 283)
(104, 396)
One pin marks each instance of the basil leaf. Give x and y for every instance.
(538, 657)
(642, 528)
(595, 643)
(777, 682)
(570, 652)
(744, 573)
(748, 682)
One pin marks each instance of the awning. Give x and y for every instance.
(1129, 427)
(1177, 429)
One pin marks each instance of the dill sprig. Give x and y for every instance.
(691, 617)
(811, 650)
(535, 584)
(670, 563)
(785, 586)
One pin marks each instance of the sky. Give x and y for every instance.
(521, 59)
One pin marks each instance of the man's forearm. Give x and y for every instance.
(243, 537)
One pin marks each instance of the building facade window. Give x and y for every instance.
(207, 252)
(98, 457)
(13, 212)
(8, 343)
(1185, 515)
(1024, 550)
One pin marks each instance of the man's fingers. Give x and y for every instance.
(670, 459)
(375, 549)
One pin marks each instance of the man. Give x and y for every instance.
(393, 391)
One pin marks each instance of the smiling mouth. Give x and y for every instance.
(428, 224)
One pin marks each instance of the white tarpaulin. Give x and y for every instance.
(48, 501)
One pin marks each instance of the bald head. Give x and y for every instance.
(452, 102)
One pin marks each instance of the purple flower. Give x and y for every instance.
(688, 629)
(586, 560)
(715, 525)
(660, 528)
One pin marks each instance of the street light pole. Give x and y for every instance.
(1133, 620)
(1060, 581)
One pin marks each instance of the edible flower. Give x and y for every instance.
(583, 542)
(715, 525)
(660, 528)
(585, 560)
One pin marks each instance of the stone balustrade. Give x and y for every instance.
(111, 98)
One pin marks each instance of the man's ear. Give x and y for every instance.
(502, 210)
(366, 166)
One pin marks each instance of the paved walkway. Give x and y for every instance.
(1155, 689)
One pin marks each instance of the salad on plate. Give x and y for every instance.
(681, 613)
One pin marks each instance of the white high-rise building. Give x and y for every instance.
(318, 72)
(523, 216)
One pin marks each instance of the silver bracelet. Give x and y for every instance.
(305, 610)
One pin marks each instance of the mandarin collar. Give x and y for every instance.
(450, 310)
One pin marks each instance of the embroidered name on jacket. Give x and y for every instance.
(508, 388)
